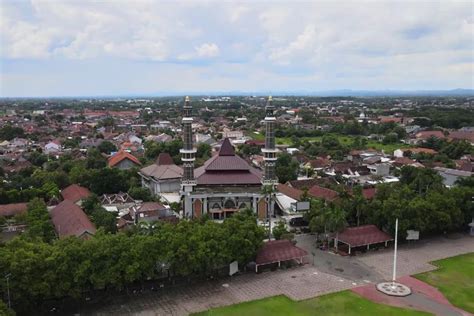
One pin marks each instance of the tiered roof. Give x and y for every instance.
(227, 168)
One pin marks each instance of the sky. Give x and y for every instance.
(141, 47)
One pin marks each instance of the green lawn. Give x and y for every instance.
(455, 279)
(343, 303)
(343, 139)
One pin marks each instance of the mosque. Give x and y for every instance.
(226, 183)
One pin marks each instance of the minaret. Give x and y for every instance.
(269, 152)
(187, 157)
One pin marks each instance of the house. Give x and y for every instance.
(399, 153)
(70, 220)
(450, 176)
(325, 194)
(424, 135)
(462, 135)
(75, 193)
(53, 147)
(152, 212)
(164, 176)
(123, 160)
(379, 169)
(13, 209)
(287, 199)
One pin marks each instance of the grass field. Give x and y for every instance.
(455, 279)
(343, 303)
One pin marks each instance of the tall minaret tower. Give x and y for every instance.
(188, 154)
(269, 152)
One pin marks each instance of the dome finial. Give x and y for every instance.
(270, 98)
(186, 99)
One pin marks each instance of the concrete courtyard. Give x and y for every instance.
(330, 273)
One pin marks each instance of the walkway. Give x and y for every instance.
(424, 297)
(331, 273)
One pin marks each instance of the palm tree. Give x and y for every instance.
(269, 191)
(336, 222)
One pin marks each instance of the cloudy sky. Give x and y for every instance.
(80, 47)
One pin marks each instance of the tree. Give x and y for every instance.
(336, 221)
(8, 132)
(203, 151)
(38, 221)
(279, 230)
(95, 160)
(139, 193)
(4, 310)
(106, 147)
(104, 219)
(286, 168)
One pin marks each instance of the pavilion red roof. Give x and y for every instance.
(279, 250)
(363, 235)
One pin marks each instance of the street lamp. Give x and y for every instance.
(7, 277)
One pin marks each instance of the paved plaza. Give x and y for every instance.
(415, 257)
(333, 273)
(297, 283)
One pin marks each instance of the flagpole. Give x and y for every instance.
(395, 254)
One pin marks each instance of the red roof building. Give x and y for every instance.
(369, 193)
(225, 184)
(424, 135)
(123, 160)
(69, 220)
(276, 251)
(293, 193)
(75, 193)
(12, 209)
(361, 236)
(322, 193)
(227, 168)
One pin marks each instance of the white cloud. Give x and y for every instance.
(305, 44)
(207, 50)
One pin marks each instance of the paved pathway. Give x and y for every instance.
(297, 283)
(424, 297)
(348, 267)
(415, 257)
(331, 273)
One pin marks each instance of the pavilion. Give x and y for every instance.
(361, 236)
(276, 251)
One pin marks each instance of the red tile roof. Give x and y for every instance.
(121, 155)
(363, 235)
(369, 193)
(293, 193)
(164, 159)
(421, 150)
(226, 168)
(13, 209)
(322, 193)
(226, 148)
(279, 250)
(75, 193)
(70, 220)
(461, 135)
(428, 134)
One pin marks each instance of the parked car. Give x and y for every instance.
(298, 221)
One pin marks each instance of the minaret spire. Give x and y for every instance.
(270, 151)
(188, 154)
